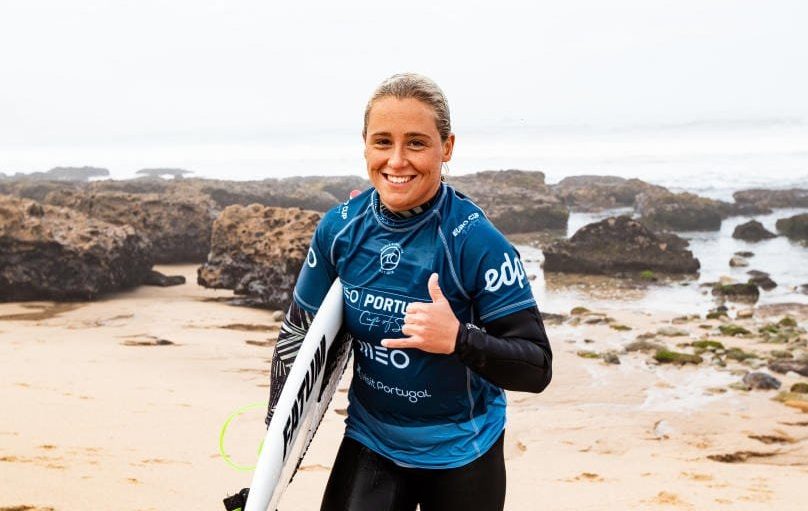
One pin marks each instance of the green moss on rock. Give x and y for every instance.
(619, 327)
(647, 275)
(674, 357)
(800, 388)
(732, 330)
(788, 321)
(739, 354)
(707, 344)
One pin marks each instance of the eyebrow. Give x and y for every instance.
(408, 134)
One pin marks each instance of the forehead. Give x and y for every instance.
(407, 114)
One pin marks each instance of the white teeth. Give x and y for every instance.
(398, 179)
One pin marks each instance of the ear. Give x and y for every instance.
(448, 147)
(364, 145)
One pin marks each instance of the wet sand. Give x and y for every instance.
(118, 404)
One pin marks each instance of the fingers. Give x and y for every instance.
(407, 342)
(414, 307)
(410, 329)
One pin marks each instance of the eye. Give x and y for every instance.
(382, 142)
(417, 143)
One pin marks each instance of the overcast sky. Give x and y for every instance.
(171, 71)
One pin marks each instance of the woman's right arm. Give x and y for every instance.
(293, 331)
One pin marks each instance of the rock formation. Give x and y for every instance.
(177, 226)
(618, 245)
(752, 231)
(794, 227)
(596, 193)
(791, 198)
(48, 252)
(76, 174)
(514, 200)
(680, 211)
(258, 251)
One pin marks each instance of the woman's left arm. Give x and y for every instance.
(512, 352)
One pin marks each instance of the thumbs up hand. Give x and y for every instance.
(431, 327)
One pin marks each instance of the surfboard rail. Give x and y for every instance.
(303, 401)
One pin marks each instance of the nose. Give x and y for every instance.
(398, 159)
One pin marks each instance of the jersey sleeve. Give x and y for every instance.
(493, 274)
(318, 271)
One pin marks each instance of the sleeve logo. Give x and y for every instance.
(508, 273)
(311, 258)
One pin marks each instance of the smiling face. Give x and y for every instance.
(404, 152)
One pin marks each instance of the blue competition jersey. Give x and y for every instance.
(418, 409)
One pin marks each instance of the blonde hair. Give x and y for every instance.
(413, 85)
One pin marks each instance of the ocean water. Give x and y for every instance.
(712, 158)
(786, 261)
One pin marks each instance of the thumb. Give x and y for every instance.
(434, 289)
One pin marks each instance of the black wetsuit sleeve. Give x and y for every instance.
(512, 352)
(293, 331)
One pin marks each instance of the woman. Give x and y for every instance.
(441, 314)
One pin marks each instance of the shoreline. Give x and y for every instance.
(100, 403)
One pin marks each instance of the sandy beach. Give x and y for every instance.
(118, 404)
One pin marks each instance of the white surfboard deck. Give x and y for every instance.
(303, 401)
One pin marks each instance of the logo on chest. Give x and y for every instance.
(389, 257)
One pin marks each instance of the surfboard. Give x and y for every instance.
(304, 400)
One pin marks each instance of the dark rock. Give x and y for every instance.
(761, 381)
(155, 278)
(746, 209)
(313, 193)
(791, 198)
(76, 174)
(596, 193)
(35, 190)
(265, 266)
(552, 319)
(737, 292)
(800, 388)
(784, 366)
(745, 253)
(680, 211)
(515, 201)
(178, 227)
(757, 273)
(737, 261)
(54, 253)
(795, 227)
(764, 282)
(752, 231)
(619, 244)
(139, 185)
